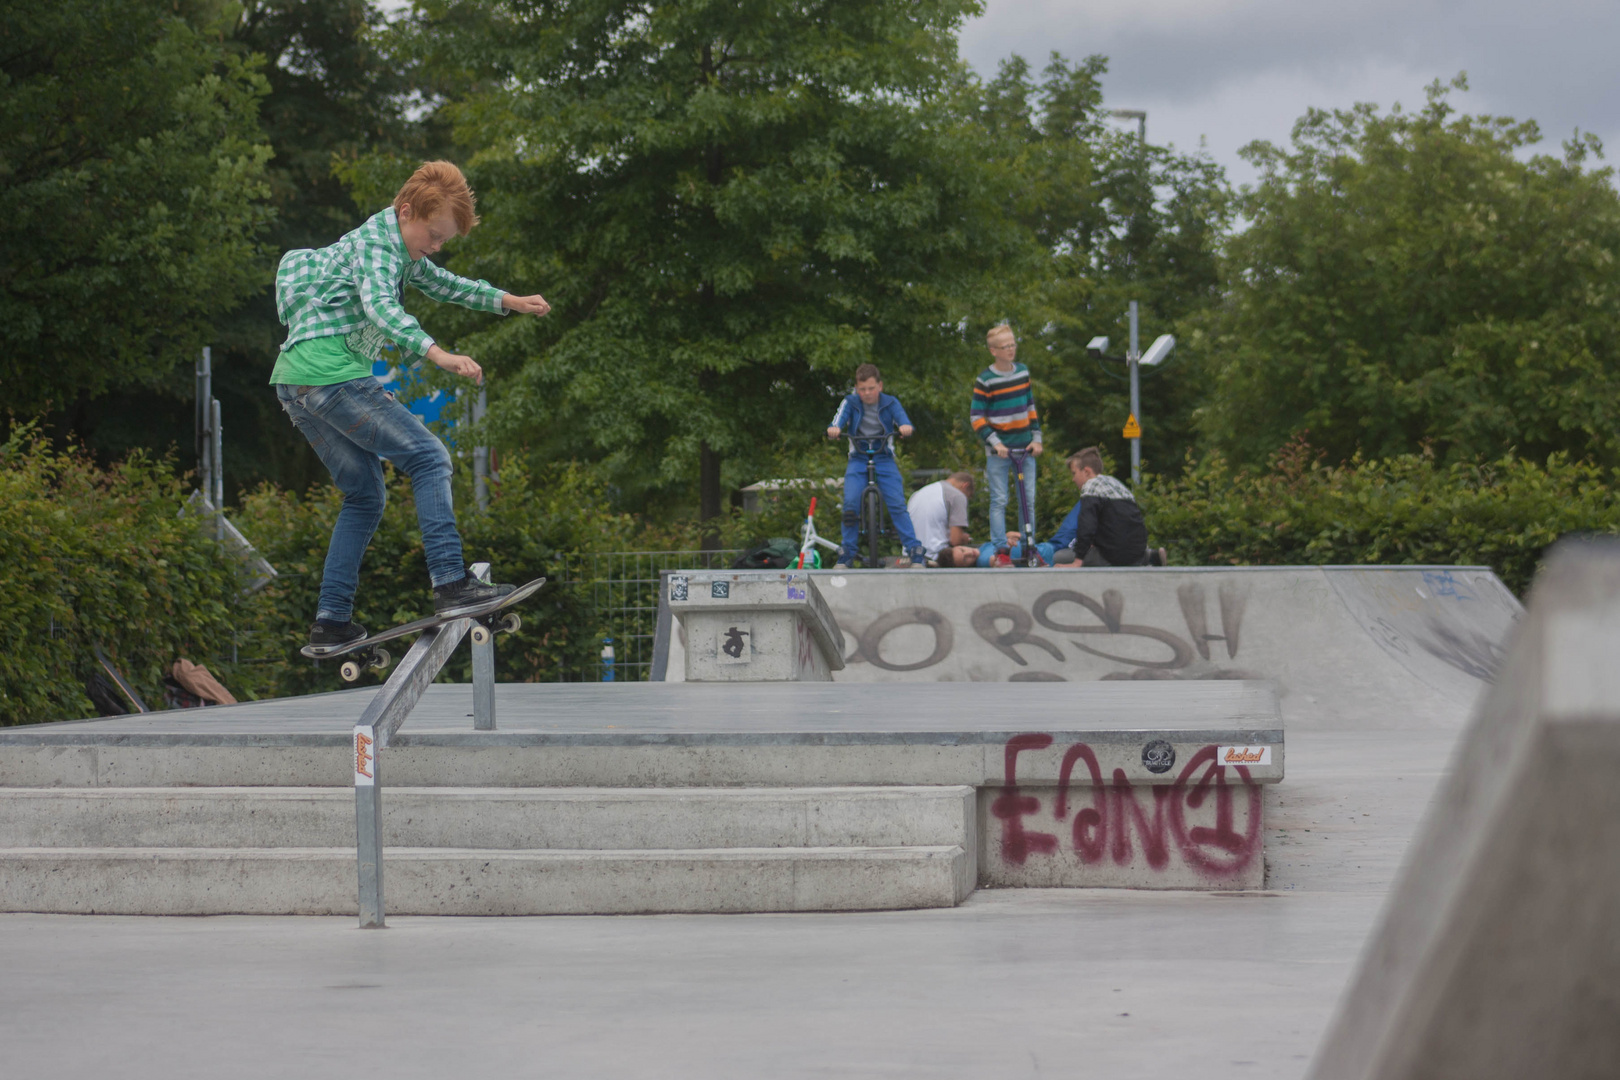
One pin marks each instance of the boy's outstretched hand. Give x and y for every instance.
(832, 433)
(455, 363)
(528, 305)
(906, 430)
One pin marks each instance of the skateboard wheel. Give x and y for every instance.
(380, 659)
(512, 623)
(350, 671)
(480, 634)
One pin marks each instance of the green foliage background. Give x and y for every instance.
(1399, 345)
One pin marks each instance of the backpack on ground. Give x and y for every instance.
(777, 553)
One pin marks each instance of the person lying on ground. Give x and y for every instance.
(341, 305)
(1106, 527)
(868, 417)
(988, 554)
(1003, 415)
(939, 513)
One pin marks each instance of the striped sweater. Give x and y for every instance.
(1004, 408)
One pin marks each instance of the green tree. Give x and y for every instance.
(132, 167)
(1121, 220)
(1413, 278)
(333, 94)
(730, 206)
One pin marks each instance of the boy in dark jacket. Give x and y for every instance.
(871, 417)
(1105, 528)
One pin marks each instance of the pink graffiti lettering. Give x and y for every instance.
(1016, 843)
(1116, 819)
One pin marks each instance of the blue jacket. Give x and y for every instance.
(851, 409)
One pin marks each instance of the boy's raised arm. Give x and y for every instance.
(434, 280)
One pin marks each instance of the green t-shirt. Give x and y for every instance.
(320, 361)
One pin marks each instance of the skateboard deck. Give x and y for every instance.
(478, 611)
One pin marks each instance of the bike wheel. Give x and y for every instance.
(872, 517)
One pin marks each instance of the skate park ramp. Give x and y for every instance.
(1347, 647)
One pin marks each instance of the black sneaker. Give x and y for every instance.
(323, 636)
(467, 593)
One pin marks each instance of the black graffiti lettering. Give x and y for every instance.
(1036, 676)
(871, 647)
(1232, 601)
(1110, 613)
(985, 620)
(1475, 655)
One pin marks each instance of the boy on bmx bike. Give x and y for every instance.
(869, 418)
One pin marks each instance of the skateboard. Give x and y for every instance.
(368, 651)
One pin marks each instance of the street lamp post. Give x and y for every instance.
(1133, 359)
(1139, 115)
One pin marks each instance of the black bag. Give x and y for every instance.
(777, 553)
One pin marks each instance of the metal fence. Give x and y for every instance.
(622, 588)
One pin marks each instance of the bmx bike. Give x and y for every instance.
(808, 556)
(873, 521)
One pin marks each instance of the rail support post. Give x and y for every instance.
(483, 678)
(368, 826)
(388, 709)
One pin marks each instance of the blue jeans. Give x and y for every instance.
(997, 471)
(353, 427)
(894, 497)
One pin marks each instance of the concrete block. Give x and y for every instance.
(1498, 952)
(755, 626)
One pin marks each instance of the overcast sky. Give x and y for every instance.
(1230, 71)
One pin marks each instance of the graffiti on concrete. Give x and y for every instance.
(1471, 653)
(1067, 618)
(1117, 819)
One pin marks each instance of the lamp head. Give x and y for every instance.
(1159, 350)
(1097, 346)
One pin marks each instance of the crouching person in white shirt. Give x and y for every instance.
(939, 513)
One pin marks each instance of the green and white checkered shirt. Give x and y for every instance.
(353, 289)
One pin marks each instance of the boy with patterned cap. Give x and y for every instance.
(341, 305)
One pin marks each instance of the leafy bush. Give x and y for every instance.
(1407, 509)
(102, 557)
(536, 522)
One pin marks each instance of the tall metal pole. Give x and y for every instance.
(481, 456)
(1131, 358)
(205, 422)
(219, 474)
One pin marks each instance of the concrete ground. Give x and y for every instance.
(1014, 983)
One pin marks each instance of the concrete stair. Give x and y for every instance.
(488, 851)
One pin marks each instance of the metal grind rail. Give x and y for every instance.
(383, 717)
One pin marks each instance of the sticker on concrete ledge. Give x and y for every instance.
(734, 644)
(1243, 755)
(795, 593)
(1158, 756)
(720, 590)
(677, 587)
(364, 758)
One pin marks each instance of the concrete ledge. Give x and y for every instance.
(321, 881)
(503, 818)
(499, 759)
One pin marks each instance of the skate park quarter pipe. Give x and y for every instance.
(1360, 647)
